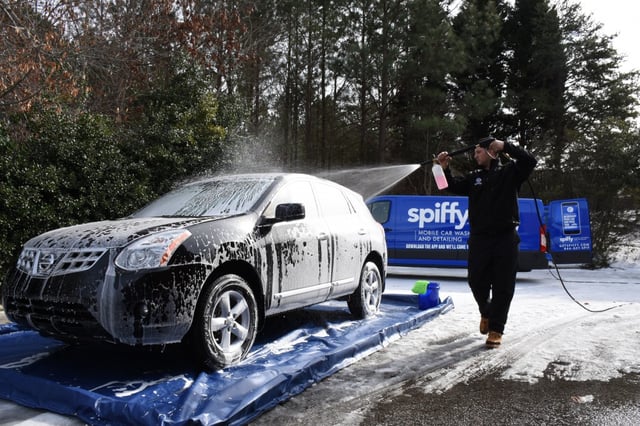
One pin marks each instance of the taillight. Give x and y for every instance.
(543, 238)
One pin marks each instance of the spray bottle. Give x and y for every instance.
(438, 175)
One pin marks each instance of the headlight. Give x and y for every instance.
(152, 251)
(27, 259)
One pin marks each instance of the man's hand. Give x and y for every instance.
(495, 147)
(444, 159)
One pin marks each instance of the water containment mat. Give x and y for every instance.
(107, 384)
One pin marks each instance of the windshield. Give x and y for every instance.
(218, 197)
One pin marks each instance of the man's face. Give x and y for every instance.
(482, 157)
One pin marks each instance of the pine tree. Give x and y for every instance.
(479, 83)
(537, 74)
(424, 105)
(601, 160)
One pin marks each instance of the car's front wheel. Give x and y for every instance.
(365, 301)
(225, 325)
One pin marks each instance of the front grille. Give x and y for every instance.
(59, 319)
(77, 261)
(45, 262)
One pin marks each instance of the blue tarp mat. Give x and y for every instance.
(107, 384)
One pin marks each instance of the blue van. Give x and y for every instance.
(433, 230)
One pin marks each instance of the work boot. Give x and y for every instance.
(484, 325)
(494, 339)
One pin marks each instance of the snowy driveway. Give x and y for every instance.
(548, 335)
(549, 338)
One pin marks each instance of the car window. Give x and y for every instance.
(357, 203)
(331, 200)
(294, 192)
(380, 210)
(215, 197)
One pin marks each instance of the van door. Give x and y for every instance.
(423, 230)
(569, 228)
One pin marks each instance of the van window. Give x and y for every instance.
(380, 210)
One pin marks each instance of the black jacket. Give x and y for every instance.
(493, 193)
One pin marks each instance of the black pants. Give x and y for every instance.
(493, 264)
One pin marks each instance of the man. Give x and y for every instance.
(493, 219)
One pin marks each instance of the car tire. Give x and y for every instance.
(365, 301)
(225, 325)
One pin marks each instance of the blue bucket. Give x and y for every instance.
(431, 298)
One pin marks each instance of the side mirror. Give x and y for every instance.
(287, 212)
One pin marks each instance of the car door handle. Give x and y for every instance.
(323, 236)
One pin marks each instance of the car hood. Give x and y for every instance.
(108, 234)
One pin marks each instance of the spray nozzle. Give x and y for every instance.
(432, 161)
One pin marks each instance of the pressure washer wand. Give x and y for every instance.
(451, 154)
(484, 143)
(462, 150)
(438, 172)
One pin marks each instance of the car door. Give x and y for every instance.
(301, 272)
(348, 234)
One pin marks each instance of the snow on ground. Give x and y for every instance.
(547, 333)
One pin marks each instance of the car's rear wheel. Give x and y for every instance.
(225, 325)
(365, 301)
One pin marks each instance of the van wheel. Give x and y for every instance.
(365, 301)
(225, 324)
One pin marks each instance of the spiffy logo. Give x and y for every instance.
(444, 212)
(567, 239)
